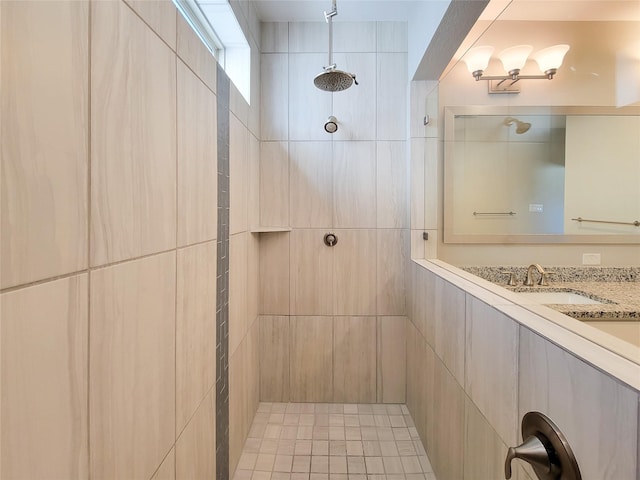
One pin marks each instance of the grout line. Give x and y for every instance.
(89, 206)
(177, 230)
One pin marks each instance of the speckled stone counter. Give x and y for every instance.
(618, 288)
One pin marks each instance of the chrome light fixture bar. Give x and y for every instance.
(513, 60)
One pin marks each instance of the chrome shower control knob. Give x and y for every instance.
(330, 239)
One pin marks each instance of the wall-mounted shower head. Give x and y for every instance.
(332, 125)
(521, 127)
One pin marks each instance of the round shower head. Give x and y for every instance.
(332, 80)
(521, 127)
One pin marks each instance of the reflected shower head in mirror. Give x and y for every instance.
(332, 79)
(521, 127)
(332, 125)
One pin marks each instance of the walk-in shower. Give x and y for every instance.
(332, 79)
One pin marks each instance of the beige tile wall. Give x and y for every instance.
(109, 180)
(353, 183)
(468, 413)
(45, 137)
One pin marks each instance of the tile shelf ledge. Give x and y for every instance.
(270, 229)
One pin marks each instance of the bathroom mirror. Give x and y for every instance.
(542, 175)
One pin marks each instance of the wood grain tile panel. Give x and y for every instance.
(274, 359)
(44, 380)
(133, 139)
(44, 128)
(354, 363)
(311, 345)
(132, 367)
(195, 328)
(197, 160)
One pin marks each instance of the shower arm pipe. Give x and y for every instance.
(329, 19)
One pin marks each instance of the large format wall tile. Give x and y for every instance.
(311, 183)
(354, 108)
(133, 140)
(274, 359)
(309, 106)
(160, 15)
(353, 37)
(597, 415)
(274, 274)
(167, 469)
(354, 185)
(449, 323)
(44, 109)
(491, 367)
(132, 367)
(274, 184)
(195, 54)
(354, 359)
(196, 446)
(354, 272)
(391, 359)
(392, 37)
(238, 284)
(195, 328)
(309, 37)
(274, 37)
(392, 261)
(197, 162)
(391, 110)
(391, 185)
(446, 421)
(312, 274)
(274, 85)
(44, 381)
(311, 359)
(239, 169)
(484, 451)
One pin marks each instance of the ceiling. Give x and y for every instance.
(400, 10)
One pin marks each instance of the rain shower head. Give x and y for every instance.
(521, 127)
(332, 79)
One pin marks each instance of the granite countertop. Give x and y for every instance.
(618, 288)
(620, 300)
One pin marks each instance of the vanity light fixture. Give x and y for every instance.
(513, 60)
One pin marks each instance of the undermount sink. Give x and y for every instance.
(560, 298)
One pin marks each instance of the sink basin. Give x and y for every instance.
(562, 298)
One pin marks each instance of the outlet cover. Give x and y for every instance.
(536, 207)
(591, 259)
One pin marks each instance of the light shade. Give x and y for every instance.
(514, 58)
(478, 58)
(550, 58)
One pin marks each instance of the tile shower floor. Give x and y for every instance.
(329, 441)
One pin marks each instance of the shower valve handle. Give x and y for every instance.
(330, 239)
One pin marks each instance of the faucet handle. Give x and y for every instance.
(512, 278)
(543, 282)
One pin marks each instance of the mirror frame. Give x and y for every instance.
(450, 112)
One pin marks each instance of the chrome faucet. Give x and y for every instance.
(528, 281)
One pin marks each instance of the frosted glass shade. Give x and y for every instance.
(550, 58)
(514, 58)
(478, 58)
